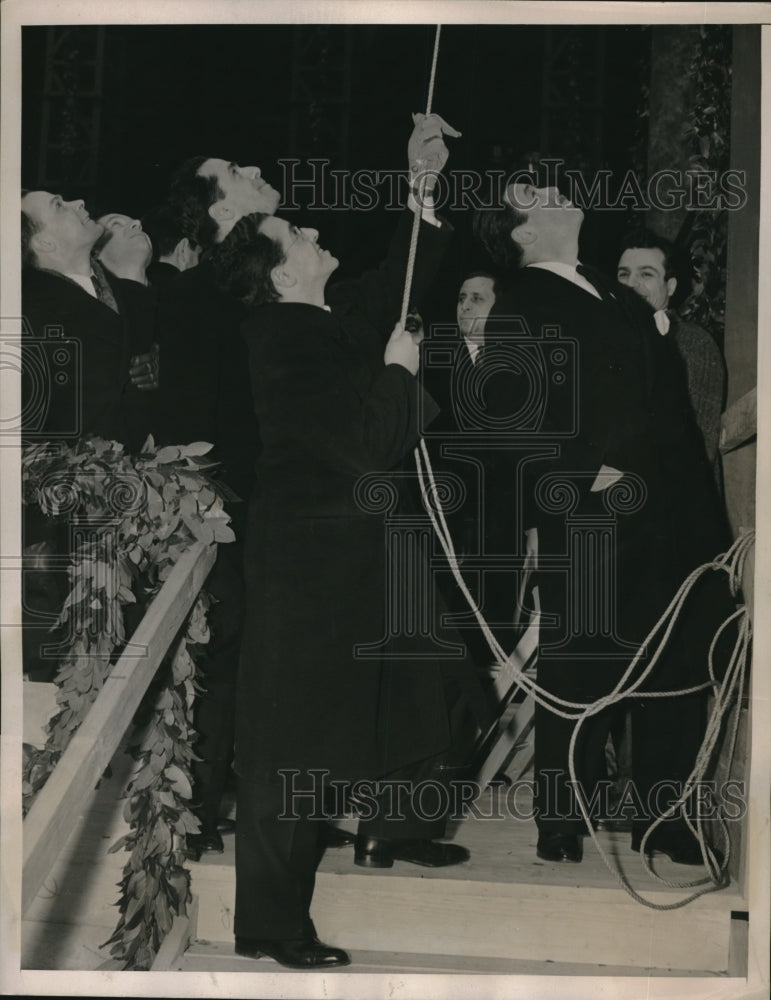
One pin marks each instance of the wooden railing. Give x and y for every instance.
(60, 803)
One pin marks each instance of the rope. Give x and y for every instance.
(726, 693)
(416, 219)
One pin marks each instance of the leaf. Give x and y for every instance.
(162, 913)
(143, 779)
(222, 532)
(179, 781)
(155, 504)
(168, 454)
(202, 531)
(197, 448)
(119, 843)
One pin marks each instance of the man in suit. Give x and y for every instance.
(124, 247)
(586, 384)
(646, 265)
(63, 287)
(459, 445)
(333, 407)
(170, 229)
(207, 397)
(88, 368)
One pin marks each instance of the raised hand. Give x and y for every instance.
(426, 149)
(402, 350)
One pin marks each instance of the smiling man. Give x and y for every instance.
(647, 266)
(613, 415)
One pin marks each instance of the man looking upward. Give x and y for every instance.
(609, 411)
(336, 394)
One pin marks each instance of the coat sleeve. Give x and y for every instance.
(705, 370)
(377, 294)
(308, 404)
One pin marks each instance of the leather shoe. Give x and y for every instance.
(680, 847)
(208, 840)
(371, 852)
(559, 847)
(307, 953)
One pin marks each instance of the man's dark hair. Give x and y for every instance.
(194, 195)
(167, 224)
(646, 239)
(243, 261)
(497, 286)
(493, 226)
(28, 229)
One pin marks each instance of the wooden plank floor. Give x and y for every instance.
(503, 851)
(209, 956)
(75, 912)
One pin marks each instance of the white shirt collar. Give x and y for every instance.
(473, 348)
(661, 320)
(86, 283)
(567, 271)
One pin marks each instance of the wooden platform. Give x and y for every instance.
(503, 904)
(503, 911)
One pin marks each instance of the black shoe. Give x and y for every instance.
(308, 953)
(370, 852)
(678, 846)
(209, 840)
(559, 847)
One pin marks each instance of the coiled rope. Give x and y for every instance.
(728, 692)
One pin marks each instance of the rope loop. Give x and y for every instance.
(727, 692)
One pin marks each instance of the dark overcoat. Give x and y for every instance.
(84, 387)
(604, 388)
(75, 382)
(206, 395)
(330, 411)
(595, 385)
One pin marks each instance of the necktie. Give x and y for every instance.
(102, 288)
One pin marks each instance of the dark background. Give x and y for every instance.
(109, 112)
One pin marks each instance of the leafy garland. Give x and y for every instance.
(156, 885)
(131, 518)
(707, 131)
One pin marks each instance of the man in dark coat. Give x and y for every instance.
(171, 229)
(647, 265)
(482, 525)
(332, 408)
(587, 387)
(87, 369)
(207, 396)
(105, 322)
